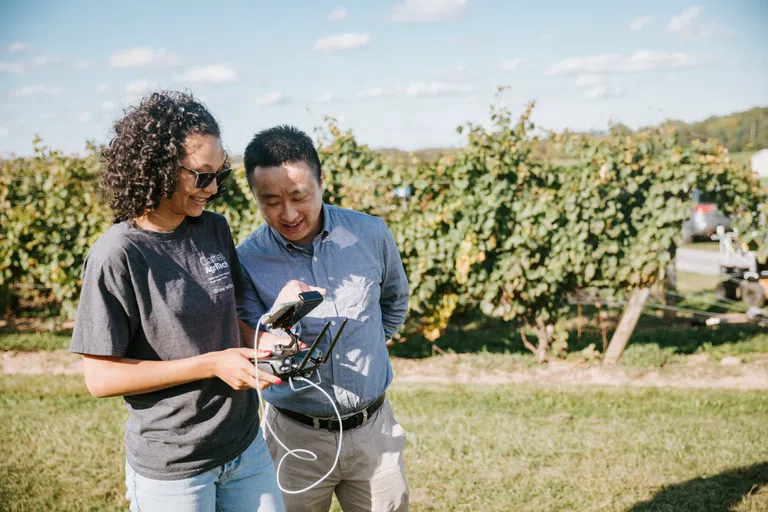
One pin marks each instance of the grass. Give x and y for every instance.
(690, 282)
(499, 337)
(648, 343)
(492, 449)
(703, 246)
(35, 341)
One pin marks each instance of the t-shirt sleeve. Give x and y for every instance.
(250, 307)
(107, 314)
(234, 263)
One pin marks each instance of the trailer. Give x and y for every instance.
(746, 277)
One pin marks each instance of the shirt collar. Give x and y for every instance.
(323, 235)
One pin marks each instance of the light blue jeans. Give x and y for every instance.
(245, 484)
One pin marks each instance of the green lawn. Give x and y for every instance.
(35, 341)
(477, 448)
(703, 246)
(691, 283)
(498, 337)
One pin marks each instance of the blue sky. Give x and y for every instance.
(400, 73)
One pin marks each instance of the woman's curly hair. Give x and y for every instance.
(143, 158)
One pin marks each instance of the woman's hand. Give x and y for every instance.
(234, 367)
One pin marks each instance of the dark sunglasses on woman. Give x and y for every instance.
(203, 179)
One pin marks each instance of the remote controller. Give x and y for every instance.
(287, 360)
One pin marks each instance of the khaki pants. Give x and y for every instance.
(370, 476)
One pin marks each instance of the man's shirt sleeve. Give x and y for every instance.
(394, 286)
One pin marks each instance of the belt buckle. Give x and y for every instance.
(331, 421)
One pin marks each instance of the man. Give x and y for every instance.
(353, 257)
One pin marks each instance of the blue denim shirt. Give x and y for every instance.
(356, 260)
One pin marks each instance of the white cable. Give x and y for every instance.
(307, 454)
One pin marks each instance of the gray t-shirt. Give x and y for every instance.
(161, 297)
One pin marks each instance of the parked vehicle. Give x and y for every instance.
(747, 278)
(705, 219)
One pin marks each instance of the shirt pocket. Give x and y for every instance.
(358, 294)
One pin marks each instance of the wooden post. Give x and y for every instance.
(601, 318)
(670, 284)
(578, 323)
(626, 325)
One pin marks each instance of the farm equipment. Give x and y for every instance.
(747, 277)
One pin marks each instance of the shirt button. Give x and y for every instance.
(338, 356)
(333, 322)
(314, 258)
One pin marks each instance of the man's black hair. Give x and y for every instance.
(282, 144)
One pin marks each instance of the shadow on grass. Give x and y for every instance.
(499, 337)
(717, 493)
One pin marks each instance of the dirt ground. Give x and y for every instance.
(696, 371)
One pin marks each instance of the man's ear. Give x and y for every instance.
(249, 179)
(322, 177)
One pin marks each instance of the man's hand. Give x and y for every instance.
(267, 341)
(291, 291)
(234, 367)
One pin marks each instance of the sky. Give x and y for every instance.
(399, 73)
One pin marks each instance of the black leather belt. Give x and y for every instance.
(356, 420)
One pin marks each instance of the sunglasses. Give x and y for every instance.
(203, 179)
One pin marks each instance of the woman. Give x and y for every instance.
(157, 324)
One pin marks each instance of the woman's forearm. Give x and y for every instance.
(115, 376)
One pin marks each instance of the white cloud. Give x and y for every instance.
(85, 117)
(376, 92)
(17, 46)
(337, 14)
(107, 106)
(44, 60)
(45, 116)
(103, 87)
(601, 92)
(271, 98)
(429, 11)
(512, 64)
(143, 56)
(652, 61)
(35, 90)
(421, 89)
(82, 64)
(685, 19)
(342, 42)
(139, 87)
(458, 39)
(588, 80)
(689, 27)
(417, 90)
(209, 75)
(324, 98)
(3, 131)
(637, 62)
(592, 64)
(548, 36)
(639, 23)
(457, 73)
(12, 67)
